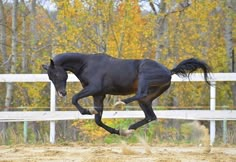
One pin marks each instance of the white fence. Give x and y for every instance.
(212, 115)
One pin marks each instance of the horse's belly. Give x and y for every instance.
(121, 92)
(119, 89)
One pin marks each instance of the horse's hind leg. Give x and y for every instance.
(149, 115)
(142, 91)
(146, 105)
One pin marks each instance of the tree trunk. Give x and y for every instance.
(24, 13)
(14, 37)
(3, 126)
(228, 39)
(231, 5)
(34, 41)
(9, 91)
(161, 29)
(34, 35)
(3, 39)
(14, 43)
(9, 63)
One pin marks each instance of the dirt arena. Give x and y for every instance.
(115, 153)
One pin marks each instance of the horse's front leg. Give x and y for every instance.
(98, 104)
(87, 91)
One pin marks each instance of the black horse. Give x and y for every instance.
(101, 74)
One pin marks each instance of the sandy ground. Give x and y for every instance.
(115, 153)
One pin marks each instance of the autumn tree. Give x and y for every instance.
(5, 61)
(193, 30)
(15, 40)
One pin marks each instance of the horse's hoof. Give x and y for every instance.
(126, 132)
(119, 103)
(92, 111)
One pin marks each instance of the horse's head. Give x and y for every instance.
(58, 76)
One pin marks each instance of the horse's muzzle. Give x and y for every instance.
(62, 93)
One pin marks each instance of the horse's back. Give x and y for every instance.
(128, 71)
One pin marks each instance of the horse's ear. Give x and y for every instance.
(45, 67)
(52, 63)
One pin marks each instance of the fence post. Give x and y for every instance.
(25, 131)
(212, 107)
(52, 109)
(224, 125)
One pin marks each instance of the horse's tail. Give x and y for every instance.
(186, 67)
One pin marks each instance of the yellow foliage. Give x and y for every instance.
(121, 30)
(198, 32)
(97, 27)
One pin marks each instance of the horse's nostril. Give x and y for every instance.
(64, 93)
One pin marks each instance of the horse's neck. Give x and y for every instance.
(70, 61)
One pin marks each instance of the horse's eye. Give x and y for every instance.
(57, 75)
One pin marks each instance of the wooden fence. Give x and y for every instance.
(212, 115)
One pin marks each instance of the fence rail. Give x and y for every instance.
(196, 77)
(212, 115)
(74, 115)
